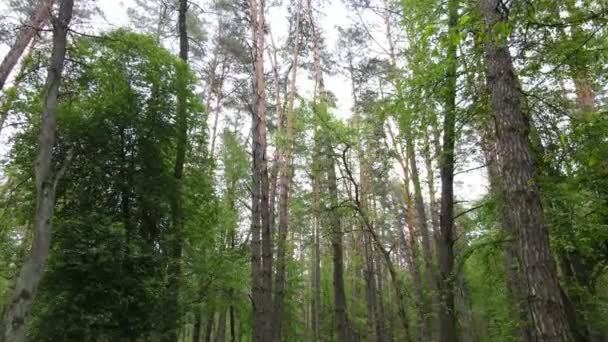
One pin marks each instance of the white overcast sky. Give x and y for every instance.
(469, 186)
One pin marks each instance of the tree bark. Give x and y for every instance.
(261, 241)
(340, 310)
(172, 309)
(447, 314)
(523, 208)
(17, 311)
(285, 175)
(24, 36)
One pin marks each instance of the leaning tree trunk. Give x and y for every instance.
(523, 208)
(17, 310)
(445, 243)
(25, 35)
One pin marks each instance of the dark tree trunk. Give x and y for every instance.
(220, 335)
(196, 328)
(340, 310)
(515, 281)
(172, 309)
(285, 175)
(209, 328)
(523, 209)
(447, 314)
(16, 313)
(232, 324)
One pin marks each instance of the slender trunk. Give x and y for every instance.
(209, 328)
(523, 208)
(447, 314)
(285, 175)
(340, 309)
(232, 324)
(24, 36)
(220, 335)
(412, 255)
(381, 333)
(427, 252)
(172, 310)
(16, 313)
(196, 328)
(317, 326)
(261, 227)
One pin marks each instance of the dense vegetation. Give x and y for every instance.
(429, 171)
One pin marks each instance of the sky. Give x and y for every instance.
(470, 186)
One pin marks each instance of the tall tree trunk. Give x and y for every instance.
(233, 337)
(220, 336)
(172, 309)
(285, 175)
(16, 312)
(196, 328)
(447, 314)
(427, 252)
(340, 310)
(24, 36)
(412, 255)
(523, 208)
(515, 281)
(317, 326)
(261, 241)
(209, 327)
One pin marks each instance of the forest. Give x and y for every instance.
(304, 170)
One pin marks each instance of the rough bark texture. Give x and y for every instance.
(515, 281)
(24, 36)
(261, 241)
(17, 310)
(523, 210)
(445, 243)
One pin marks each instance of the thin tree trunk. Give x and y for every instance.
(285, 175)
(340, 310)
(172, 310)
(220, 335)
(317, 326)
(398, 287)
(447, 314)
(209, 328)
(16, 313)
(233, 337)
(523, 208)
(24, 36)
(196, 328)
